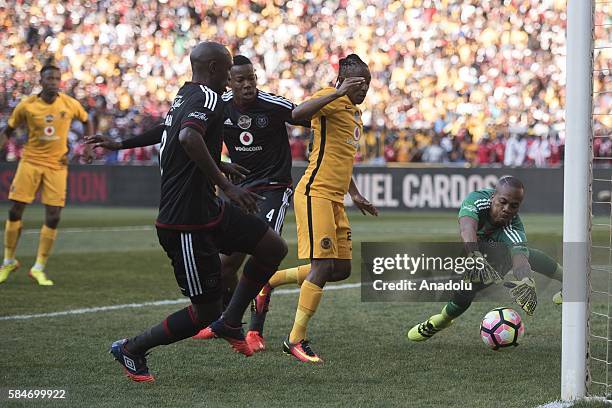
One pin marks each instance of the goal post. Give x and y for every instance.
(577, 199)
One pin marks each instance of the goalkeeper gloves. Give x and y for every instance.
(482, 272)
(524, 293)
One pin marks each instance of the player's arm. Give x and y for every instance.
(469, 216)
(306, 110)
(151, 137)
(89, 129)
(288, 114)
(520, 266)
(468, 228)
(289, 119)
(515, 239)
(89, 154)
(482, 272)
(522, 286)
(233, 171)
(13, 123)
(193, 142)
(360, 201)
(5, 134)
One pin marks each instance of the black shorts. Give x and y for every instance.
(272, 210)
(195, 254)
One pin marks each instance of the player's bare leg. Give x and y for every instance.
(261, 303)
(264, 261)
(230, 265)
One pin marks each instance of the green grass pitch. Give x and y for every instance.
(111, 256)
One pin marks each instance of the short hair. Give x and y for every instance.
(348, 62)
(48, 65)
(241, 60)
(510, 181)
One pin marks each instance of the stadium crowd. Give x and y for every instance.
(454, 81)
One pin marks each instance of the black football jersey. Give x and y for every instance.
(188, 198)
(256, 138)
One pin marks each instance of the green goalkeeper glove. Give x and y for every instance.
(482, 272)
(524, 293)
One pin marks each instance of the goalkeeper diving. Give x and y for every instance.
(492, 231)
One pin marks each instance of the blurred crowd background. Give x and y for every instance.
(463, 82)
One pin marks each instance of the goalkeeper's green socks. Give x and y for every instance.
(545, 265)
(435, 323)
(449, 312)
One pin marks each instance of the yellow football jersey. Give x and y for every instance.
(337, 128)
(48, 126)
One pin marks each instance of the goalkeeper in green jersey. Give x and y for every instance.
(492, 231)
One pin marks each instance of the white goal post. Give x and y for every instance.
(577, 199)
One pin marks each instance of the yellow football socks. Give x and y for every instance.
(291, 275)
(12, 230)
(310, 296)
(45, 244)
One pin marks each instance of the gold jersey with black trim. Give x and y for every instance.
(337, 128)
(48, 126)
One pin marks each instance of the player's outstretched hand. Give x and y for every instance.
(523, 292)
(350, 84)
(88, 155)
(100, 140)
(245, 199)
(233, 171)
(364, 205)
(482, 272)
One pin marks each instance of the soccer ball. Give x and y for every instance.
(501, 328)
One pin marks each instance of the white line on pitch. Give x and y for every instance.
(156, 303)
(96, 229)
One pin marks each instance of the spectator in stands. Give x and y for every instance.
(516, 150)
(434, 153)
(539, 151)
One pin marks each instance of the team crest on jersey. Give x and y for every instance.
(49, 118)
(246, 138)
(262, 121)
(244, 122)
(326, 243)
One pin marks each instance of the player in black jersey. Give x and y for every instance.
(255, 134)
(194, 225)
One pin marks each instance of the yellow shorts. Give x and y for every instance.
(29, 178)
(323, 229)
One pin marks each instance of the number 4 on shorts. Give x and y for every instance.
(270, 215)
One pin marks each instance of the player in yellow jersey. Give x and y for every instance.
(324, 232)
(47, 116)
